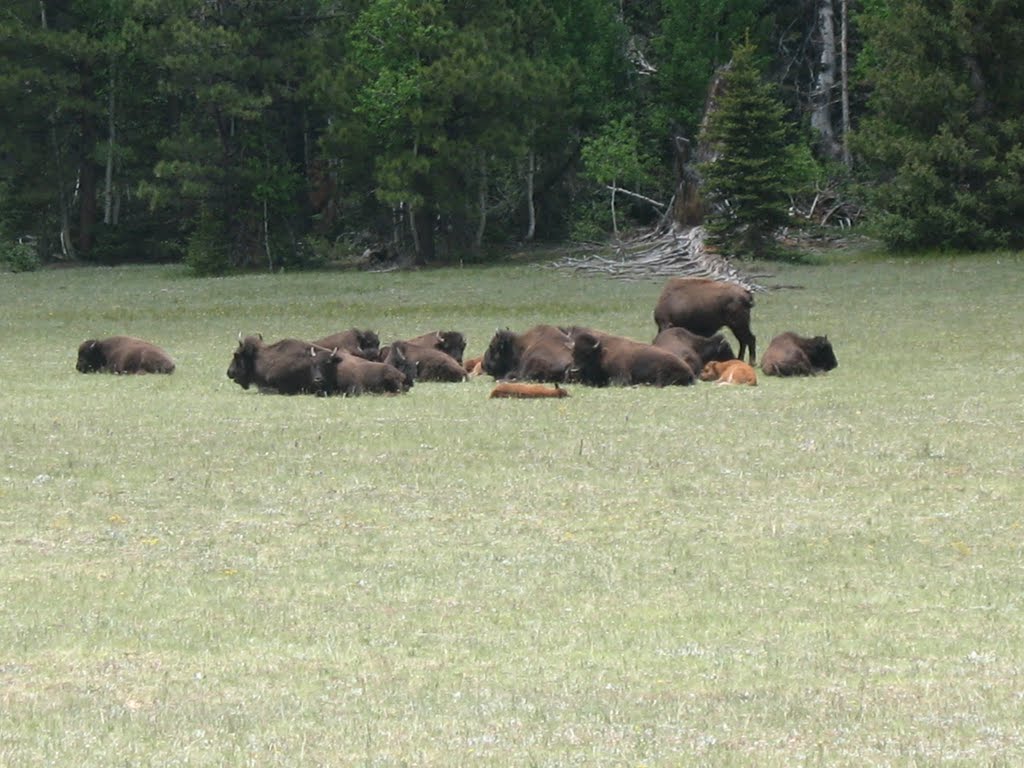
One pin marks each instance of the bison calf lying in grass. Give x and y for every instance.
(122, 354)
(729, 372)
(526, 390)
(793, 355)
(703, 306)
(287, 367)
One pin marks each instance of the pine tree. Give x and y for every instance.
(746, 184)
(943, 147)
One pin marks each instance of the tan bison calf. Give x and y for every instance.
(729, 372)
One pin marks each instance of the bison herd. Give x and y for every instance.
(688, 346)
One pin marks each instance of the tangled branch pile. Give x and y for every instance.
(671, 253)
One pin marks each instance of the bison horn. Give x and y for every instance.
(439, 336)
(239, 337)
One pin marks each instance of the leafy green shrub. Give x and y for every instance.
(19, 257)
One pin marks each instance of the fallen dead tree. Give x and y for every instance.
(671, 253)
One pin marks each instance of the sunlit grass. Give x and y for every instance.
(809, 572)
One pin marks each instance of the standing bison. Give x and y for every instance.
(122, 354)
(543, 353)
(703, 306)
(793, 355)
(287, 367)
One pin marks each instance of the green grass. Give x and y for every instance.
(812, 572)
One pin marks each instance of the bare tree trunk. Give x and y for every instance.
(845, 73)
(478, 241)
(66, 245)
(821, 98)
(615, 223)
(266, 237)
(108, 181)
(531, 226)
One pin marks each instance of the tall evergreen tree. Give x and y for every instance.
(747, 182)
(943, 147)
(232, 163)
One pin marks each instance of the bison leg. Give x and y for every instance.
(747, 342)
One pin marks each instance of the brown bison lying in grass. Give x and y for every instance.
(703, 306)
(122, 354)
(695, 350)
(452, 343)
(792, 355)
(729, 372)
(526, 390)
(601, 359)
(287, 367)
(429, 363)
(543, 353)
(355, 341)
(351, 375)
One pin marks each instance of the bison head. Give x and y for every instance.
(720, 349)
(369, 344)
(243, 362)
(586, 360)
(394, 355)
(451, 343)
(501, 357)
(821, 355)
(91, 356)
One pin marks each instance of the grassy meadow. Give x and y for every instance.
(823, 571)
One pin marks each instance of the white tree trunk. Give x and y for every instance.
(108, 188)
(531, 226)
(478, 241)
(67, 246)
(821, 97)
(845, 73)
(615, 223)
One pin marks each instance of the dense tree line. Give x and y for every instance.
(265, 133)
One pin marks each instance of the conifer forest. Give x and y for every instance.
(269, 134)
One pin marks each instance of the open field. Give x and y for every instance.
(812, 572)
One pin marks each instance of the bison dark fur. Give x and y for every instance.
(452, 343)
(351, 375)
(362, 343)
(607, 359)
(287, 367)
(430, 364)
(703, 306)
(696, 351)
(122, 354)
(543, 353)
(792, 355)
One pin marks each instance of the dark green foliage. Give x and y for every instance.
(943, 146)
(229, 134)
(747, 183)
